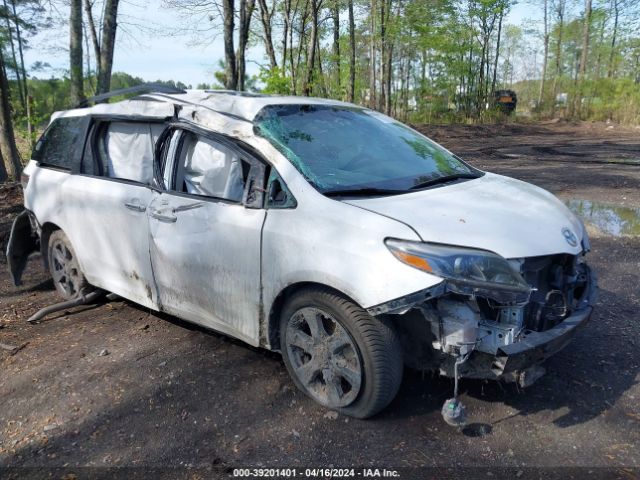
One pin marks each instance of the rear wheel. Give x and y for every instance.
(64, 267)
(338, 354)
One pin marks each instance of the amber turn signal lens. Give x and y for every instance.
(413, 260)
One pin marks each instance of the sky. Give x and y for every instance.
(155, 43)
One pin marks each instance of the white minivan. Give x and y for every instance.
(331, 233)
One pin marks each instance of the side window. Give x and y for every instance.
(126, 149)
(209, 168)
(62, 143)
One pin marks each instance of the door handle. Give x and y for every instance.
(158, 215)
(136, 207)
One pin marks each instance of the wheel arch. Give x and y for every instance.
(46, 229)
(273, 319)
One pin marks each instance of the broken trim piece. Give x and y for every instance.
(507, 296)
(535, 347)
(402, 304)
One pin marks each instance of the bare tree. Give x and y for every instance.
(20, 70)
(486, 17)
(385, 82)
(336, 40)
(91, 26)
(495, 62)
(75, 52)
(285, 32)
(352, 58)
(109, 28)
(103, 43)
(372, 55)
(312, 46)
(246, 13)
(3, 170)
(585, 37)
(546, 51)
(13, 54)
(290, 11)
(295, 66)
(16, 22)
(615, 4)
(231, 72)
(560, 10)
(8, 149)
(583, 56)
(266, 17)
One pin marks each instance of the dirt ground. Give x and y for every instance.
(115, 385)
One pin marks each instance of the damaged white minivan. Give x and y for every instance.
(331, 233)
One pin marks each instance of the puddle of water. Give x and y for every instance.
(610, 219)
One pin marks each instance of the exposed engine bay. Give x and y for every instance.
(481, 327)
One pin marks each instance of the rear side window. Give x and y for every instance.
(62, 143)
(126, 150)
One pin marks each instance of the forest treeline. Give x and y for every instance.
(417, 60)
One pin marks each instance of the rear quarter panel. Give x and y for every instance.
(43, 193)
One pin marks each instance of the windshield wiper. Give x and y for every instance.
(445, 179)
(365, 192)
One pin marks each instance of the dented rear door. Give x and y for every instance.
(106, 222)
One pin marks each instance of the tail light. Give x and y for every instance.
(24, 180)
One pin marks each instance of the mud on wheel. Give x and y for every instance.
(338, 354)
(64, 267)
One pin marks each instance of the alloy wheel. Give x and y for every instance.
(324, 357)
(66, 272)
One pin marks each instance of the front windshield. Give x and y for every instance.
(348, 148)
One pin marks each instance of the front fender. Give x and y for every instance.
(340, 246)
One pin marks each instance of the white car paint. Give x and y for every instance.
(206, 264)
(506, 216)
(113, 249)
(332, 243)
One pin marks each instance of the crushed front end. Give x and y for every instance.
(494, 329)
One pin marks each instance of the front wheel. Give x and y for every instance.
(338, 354)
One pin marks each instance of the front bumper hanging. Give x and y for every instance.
(535, 347)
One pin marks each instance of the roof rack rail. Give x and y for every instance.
(144, 88)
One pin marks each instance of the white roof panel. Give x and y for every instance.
(244, 105)
(127, 108)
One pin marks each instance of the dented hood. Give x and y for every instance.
(506, 216)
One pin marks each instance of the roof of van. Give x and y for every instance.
(241, 105)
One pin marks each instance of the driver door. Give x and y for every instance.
(205, 229)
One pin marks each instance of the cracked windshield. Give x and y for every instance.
(340, 149)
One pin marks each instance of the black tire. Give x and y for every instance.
(374, 340)
(64, 267)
